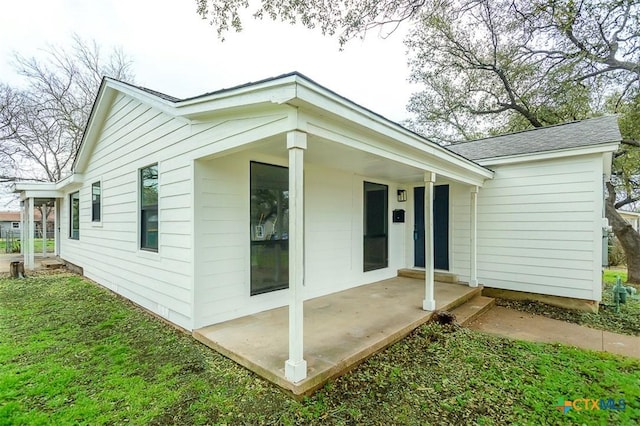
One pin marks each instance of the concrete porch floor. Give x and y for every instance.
(340, 330)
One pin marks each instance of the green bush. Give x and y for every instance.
(616, 253)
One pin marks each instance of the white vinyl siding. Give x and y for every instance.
(539, 227)
(333, 236)
(133, 136)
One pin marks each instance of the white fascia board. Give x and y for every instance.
(243, 97)
(547, 155)
(39, 194)
(147, 98)
(33, 186)
(328, 101)
(47, 189)
(70, 182)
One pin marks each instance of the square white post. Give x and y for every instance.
(295, 368)
(29, 255)
(473, 239)
(429, 302)
(56, 230)
(23, 207)
(44, 229)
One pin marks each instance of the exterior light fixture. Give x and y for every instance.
(402, 195)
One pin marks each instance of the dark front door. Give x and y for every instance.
(440, 227)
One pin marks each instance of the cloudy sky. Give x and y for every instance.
(176, 52)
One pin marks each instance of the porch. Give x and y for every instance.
(341, 330)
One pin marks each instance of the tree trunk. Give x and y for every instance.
(628, 237)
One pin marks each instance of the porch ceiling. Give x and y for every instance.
(335, 155)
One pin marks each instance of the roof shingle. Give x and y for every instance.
(576, 134)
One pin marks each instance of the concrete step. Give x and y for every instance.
(472, 309)
(52, 263)
(441, 276)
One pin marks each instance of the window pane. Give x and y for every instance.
(95, 202)
(269, 228)
(75, 216)
(149, 237)
(149, 181)
(375, 226)
(149, 223)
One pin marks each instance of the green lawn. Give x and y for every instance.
(37, 244)
(73, 353)
(609, 276)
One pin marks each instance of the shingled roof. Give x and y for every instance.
(576, 134)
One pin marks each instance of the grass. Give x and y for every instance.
(627, 321)
(609, 276)
(73, 353)
(37, 244)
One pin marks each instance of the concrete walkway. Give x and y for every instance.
(536, 328)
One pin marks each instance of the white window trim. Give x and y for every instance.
(69, 219)
(147, 254)
(13, 225)
(97, 224)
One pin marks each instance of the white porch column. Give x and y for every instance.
(295, 368)
(29, 255)
(23, 206)
(56, 233)
(44, 230)
(429, 302)
(473, 239)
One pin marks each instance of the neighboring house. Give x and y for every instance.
(633, 218)
(251, 198)
(11, 222)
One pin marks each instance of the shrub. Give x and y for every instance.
(616, 253)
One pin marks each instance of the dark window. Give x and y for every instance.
(74, 216)
(375, 226)
(269, 228)
(95, 202)
(149, 208)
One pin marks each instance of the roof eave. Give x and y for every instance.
(544, 155)
(308, 92)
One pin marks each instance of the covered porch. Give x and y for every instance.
(46, 198)
(341, 330)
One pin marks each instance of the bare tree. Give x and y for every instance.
(42, 123)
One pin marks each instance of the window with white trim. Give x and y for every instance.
(149, 208)
(74, 216)
(96, 202)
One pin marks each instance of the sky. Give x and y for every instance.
(176, 52)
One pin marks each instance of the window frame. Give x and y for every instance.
(143, 210)
(98, 221)
(384, 217)
(13, 225)
(73, 197)
(283, 243)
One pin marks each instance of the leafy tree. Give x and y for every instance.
(348, 18)
(518, 64)
(491, 66)
(42, 122)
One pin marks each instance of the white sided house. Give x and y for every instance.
(242, 200)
